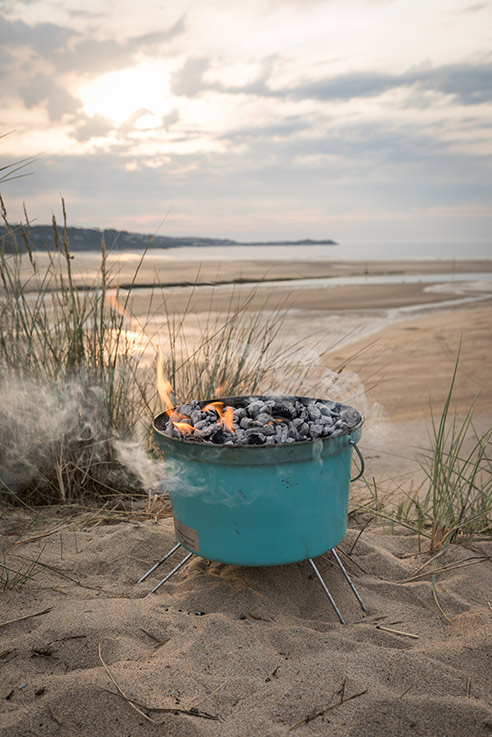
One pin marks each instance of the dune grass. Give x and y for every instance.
(457, 504)
(79, 369)
(454, 501)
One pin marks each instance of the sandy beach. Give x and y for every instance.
(235, 651)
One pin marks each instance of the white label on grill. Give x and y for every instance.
(186, 535)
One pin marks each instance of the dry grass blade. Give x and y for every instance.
(121, 693)
(26, 616)
(212, 693)
(27, 540)
(313, 715)
(434, 596)
(365, 526)
(412, 685)
(424, 565)
(192, 712)
(397, 632)
(444, 569)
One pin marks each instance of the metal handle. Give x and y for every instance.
(361, 459)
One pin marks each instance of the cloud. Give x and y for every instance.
(45, 39)
(189, 80)
(475, 8)
(5, 60)
(288, 126)
(91, 56)
(468, 83)
(346, 86)
(171, 118)
(42, 89)
(60, 51)
(92, 127)
(69, 51)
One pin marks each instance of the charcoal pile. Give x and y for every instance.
(258, 420)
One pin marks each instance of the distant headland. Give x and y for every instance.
(89, 239)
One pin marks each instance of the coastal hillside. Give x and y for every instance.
(89, 239)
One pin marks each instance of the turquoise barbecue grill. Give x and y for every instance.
(259, 505)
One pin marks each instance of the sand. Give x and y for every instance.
(259, 650)
(224, 650)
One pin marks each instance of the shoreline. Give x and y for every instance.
(155, 271)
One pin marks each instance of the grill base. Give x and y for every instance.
(333, 551)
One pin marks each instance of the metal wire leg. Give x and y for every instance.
(349, 580)
(171, 573)
(332, 601)
(151, 570)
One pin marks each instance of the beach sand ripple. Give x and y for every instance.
(258, 648)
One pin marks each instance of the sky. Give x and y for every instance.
(266, 119)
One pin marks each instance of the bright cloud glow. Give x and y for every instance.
(119, 95)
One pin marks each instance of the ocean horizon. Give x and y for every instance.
(344, 251)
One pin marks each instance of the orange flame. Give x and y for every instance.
(163, 386)
(165, 389)
(184, 428)
(228, 419)
(217, 406)
(226, 416)
(219, 390)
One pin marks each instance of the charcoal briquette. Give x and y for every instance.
(287, 411)
(256, 439)
(313, 412)
(254, 409)
(219, 437)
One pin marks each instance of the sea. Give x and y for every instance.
(346, 251)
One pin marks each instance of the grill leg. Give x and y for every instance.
(171, 573)
(332, 601)
(349, 580)
(151, 570)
